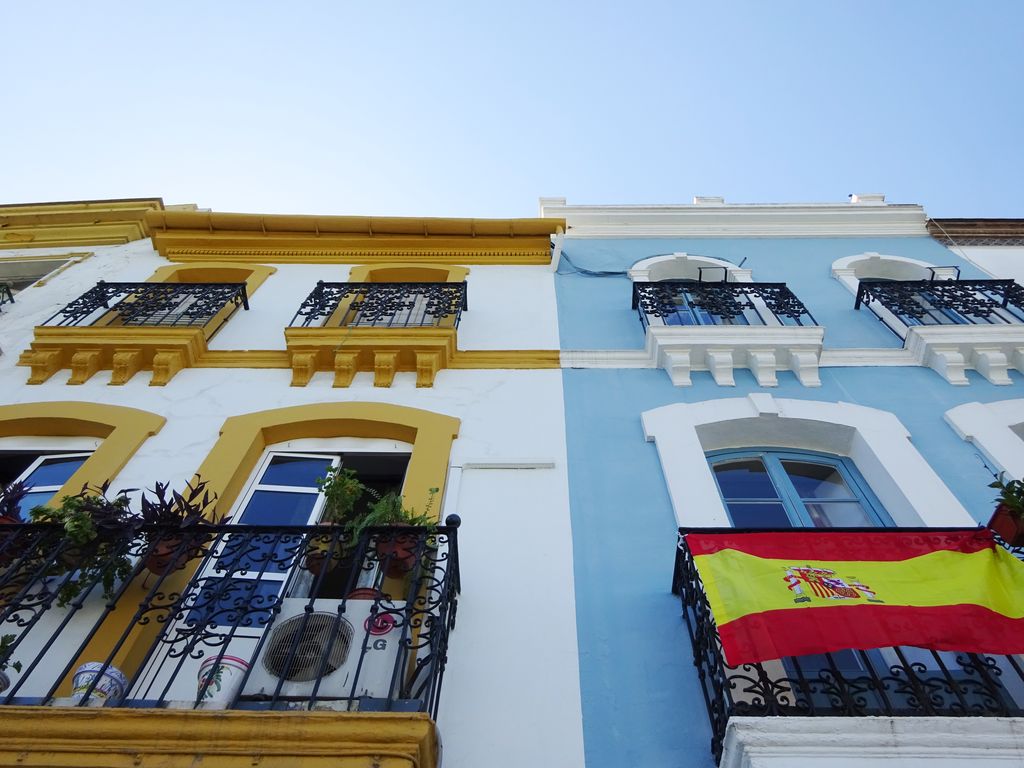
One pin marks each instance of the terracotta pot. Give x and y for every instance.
(1008, 525)
(398, 551)
(364, 593)
(168, 556)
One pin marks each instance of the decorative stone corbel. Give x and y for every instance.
(344, 367)
(166, 363)
(125, 364)
(720, 364)
(804, 363)
(949, 363)
(303, 367)
(44, 363)
(677, 363)
(83, 365)
(992, 364)
(384, 364)
(428, 363)
(762, 364)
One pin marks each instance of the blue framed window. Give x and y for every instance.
(766, 488)
(688, 313)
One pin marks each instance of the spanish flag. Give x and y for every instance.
(802, 592)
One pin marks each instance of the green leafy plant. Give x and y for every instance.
(1011, 495)
(96, 526)
(173, 521)
(342, 489)
(6, 641)
(388, 510)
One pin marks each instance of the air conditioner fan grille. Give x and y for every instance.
(298, 647)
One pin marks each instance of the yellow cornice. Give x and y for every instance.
(198, 235)
(67, 224)
(172, 738)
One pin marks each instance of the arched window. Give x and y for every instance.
(781, 489)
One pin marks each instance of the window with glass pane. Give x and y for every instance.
(779, 489)
(44, 474)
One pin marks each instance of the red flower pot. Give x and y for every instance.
(397, 551)
(1008, 525)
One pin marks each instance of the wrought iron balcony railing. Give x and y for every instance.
(150, 304)
(244, 617)
(682, 302)
(383, 305)
(896, 681)
(943, 302)
(6, 295)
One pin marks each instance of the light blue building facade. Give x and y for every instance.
(681, 415)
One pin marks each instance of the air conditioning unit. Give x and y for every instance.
(303, 647)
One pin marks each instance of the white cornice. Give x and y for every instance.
(762, 220)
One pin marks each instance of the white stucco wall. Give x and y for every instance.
(511, 689)
(998, 261)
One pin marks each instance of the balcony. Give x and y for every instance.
(720, 326)
(895, 682)
(128, 327)
(282, 623)
(953, 325)
(380, 327)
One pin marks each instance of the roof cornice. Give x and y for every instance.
(85, 222)
(744, 220)
(1004, 232)
(192, 235)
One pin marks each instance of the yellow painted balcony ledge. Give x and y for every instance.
(187, 236)
(84, 737)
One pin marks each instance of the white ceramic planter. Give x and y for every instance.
(225, 675)
(111, 682)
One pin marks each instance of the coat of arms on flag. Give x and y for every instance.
(826, 584)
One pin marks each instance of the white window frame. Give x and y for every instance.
(996, 429)
(875, 440)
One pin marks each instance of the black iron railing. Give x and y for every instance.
(151, 304)
(942, 302)
(383, 305)
(6, 295)
(682, 302)
(896, 681)
(250, 617)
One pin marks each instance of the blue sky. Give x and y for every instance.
(477, 109)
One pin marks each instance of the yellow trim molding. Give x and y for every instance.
(243, 439)
(87, 222)
(508, 359)
(385, 351)
(407, 273)
(253, 275)
(122, 430)
(57, 737)
(125, 351)
(188, 236)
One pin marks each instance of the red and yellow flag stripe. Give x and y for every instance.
(797, 593)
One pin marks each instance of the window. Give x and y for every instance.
(779, 489)
(44, 473)
(284, 492)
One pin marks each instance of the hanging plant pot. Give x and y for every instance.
(168, 555)
(220, 678)
(365, 593)
(397, 552)
(110, 682)
(1008, 525)
(320, 558)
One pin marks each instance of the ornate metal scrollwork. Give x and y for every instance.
(399, 305)
(6, 295)
(151, 304)
(946, 302)
(719, 303)
(243, 578)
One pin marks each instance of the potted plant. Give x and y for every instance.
(173, 521)
(396, 549)
(342, 490)
(1008, 518)
(5, 651)
(96, 528)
